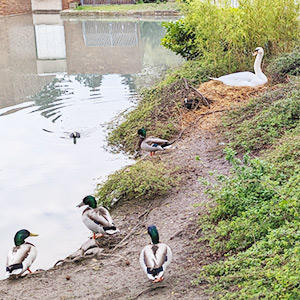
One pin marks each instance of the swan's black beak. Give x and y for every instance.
(255, 53)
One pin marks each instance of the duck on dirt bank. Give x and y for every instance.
(20, 257)
(155, 258)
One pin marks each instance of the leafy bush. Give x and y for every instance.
(180, 39)
(285, 64)
(226, 36)
(257, 217)
(144, 180)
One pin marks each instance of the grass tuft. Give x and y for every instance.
(258, 125)
(144, 180)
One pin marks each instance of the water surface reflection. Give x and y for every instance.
(56, 77)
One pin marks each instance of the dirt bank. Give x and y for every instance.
(176, 218)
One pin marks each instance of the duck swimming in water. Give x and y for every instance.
(151, 143)
(97, 219)
(75, 135)
(21, 257)
(155, 258)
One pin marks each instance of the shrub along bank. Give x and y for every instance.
(226, 36)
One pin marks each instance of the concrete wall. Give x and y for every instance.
(14, 7)
(46, 5)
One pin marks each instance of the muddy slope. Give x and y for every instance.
(119, 276)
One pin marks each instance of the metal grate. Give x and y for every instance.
(110, 34)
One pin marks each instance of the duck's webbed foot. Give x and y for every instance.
(158, 280)
(99, 235)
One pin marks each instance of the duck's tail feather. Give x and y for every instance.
(111, 229)
(168, 144)
(155, 273)
(14, 269)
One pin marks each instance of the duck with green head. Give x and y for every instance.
(155, 258)
(97, 219)
(151, 144)
(21, 257)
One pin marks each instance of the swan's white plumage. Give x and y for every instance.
(149, 258)
(25, 254)
(247, 78)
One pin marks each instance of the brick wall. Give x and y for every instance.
(66, 3)
(14, 7)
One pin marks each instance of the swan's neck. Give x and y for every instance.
(257, 65)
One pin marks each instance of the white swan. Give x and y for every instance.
(247, 78)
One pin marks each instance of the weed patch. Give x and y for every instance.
(256, 224)
(144, 180)
(285, 64)
(259, 124)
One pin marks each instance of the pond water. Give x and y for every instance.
(59, 76)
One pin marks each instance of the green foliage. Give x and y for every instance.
(144, 180)
(265, 119)
(285, 153)
(269, 269)
(285, 64)
(180, 39)
(249, 204)
(226, 36)
(256, 217)
(195, 71)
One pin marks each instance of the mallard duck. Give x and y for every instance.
(151, 143)
(75, 135)
(247, 78)
(21, 257)
(155, 258)
(97, 219)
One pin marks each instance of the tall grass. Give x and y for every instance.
(226, 36)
